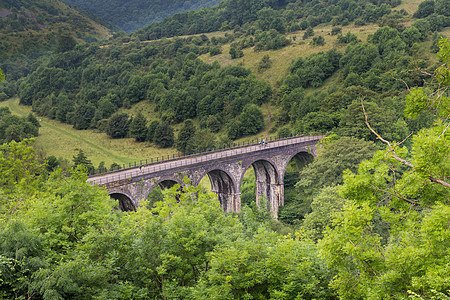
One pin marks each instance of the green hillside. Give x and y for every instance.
(144, 97)
(368, 218)
(130, 15)
(63, 141)
(31, 27)
(271, 70)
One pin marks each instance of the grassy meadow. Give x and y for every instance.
(61, 140)
(282, 58)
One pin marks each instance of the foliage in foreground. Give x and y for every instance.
(392, 238)
(393, 233)
(62, 238)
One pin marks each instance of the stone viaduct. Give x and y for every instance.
(225, 169)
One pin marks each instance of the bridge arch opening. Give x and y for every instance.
(248, 187)
(125, 203)
(222, 184)
(156, 194)
(295, 204)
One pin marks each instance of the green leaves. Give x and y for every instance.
(418, 100)
(391, 236)
(403, 197)
(18, 164)
(266, 267)
(444, 51)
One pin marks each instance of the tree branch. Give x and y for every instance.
(392, 149)
(395, 194)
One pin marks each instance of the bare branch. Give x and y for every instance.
(444, 183)
(443, 132)
(399, 79)
(392, 149)
(406, 138)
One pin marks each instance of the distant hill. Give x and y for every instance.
(130, 15)
(31, 27)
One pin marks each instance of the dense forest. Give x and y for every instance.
(280, 15)
(382, 233)
(367, 219)
(130, 15)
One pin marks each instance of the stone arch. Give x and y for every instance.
(167, 184)
(163, 183)
(269, 185)
(125, 202)
(304, 156)
(224, 186)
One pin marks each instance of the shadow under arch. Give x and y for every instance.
(125, 203)
(299, 160)
(155, 194)
(164, 184)
(295, 205)
(223, 185)
(167, 184)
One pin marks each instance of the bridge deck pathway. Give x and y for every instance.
(103, 179)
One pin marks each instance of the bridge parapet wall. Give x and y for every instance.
(225, 170)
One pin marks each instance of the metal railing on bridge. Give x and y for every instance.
(179, 160)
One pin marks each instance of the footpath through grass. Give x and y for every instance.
(61, 140)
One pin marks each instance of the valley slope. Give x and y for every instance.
(130, 15)
(32, 27)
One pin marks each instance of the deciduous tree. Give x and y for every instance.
(391, 239)
(117, 126)
(252, 119)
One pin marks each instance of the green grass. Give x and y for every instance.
(61, 140)
(282, 58)
(410, 6)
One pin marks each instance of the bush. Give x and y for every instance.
(336, 30)
(3, 96)
(347, 39)
(284, 132)
(308, 33)
(318, 41)
(236, 53)
(215, 50)
(264, 64)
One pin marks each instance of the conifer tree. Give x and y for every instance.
(138, 128)
(185, 142)
(81, 159)
(164, 136)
